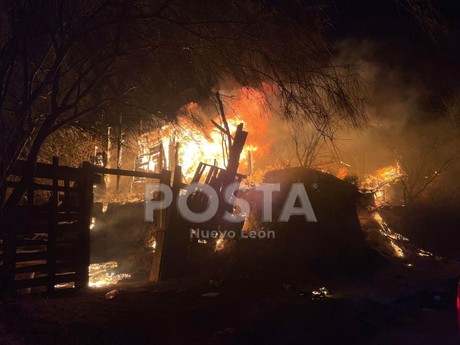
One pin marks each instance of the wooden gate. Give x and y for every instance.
(49, 247)
(51, 242)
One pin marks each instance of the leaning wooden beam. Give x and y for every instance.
(224, 118)
(48, 171)
(235, 152)
(220, 128)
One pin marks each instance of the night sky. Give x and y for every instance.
(428, 58)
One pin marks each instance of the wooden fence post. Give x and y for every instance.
(85, 189)
(176, 236)
(9, 254)
(51, 245)
(162, 224)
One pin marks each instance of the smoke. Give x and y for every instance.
(399, 106)
(410, 122)
(403, 110)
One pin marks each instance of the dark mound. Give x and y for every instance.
(334, 244)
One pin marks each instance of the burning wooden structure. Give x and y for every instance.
(71, 195)
(383, 187)
(50, 242)
(178, 234)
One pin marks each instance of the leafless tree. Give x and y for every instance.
(302, 145)
(425, 155)
(62, 61)
(426, 14)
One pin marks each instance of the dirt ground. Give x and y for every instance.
(394, 305)
(408, 299)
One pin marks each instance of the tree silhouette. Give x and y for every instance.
(62, 61)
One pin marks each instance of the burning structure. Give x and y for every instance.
(184, 143)
(202, 147)
(218, 150)
(384, 186)
(227, 93)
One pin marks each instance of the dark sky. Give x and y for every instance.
(428, 58)
(419, 69)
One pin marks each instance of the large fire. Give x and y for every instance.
(382, 176)
(198, 137)
(189, 140)
(381, 181)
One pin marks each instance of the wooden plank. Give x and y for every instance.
(66, 250)
(59, 268)
(31, 243)
(67, 228)
(42, 281)
(235, 152)
(31, 256)
(220, 128)
(41, 186)
(199, 172)
(31, 268)
(174, 253)
(202, 165)
(155, 269)
(161, 224)
(23, 229)
(121, 172)
(67, 195)
(43, 170)
(67, 216)
(41, 218)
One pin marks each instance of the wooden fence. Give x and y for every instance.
(50, 241)
(50, 247)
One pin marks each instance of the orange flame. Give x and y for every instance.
(342, 173)
(197, 143)
(389, 173)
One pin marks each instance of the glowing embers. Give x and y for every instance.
(422, 252)
(93, 223)
(220, 244)
(150, 242)
(319, 294)
(104, 274)
(385, 229)
(397, 249)
(398, 245)
(70, 285)
(392, 236)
